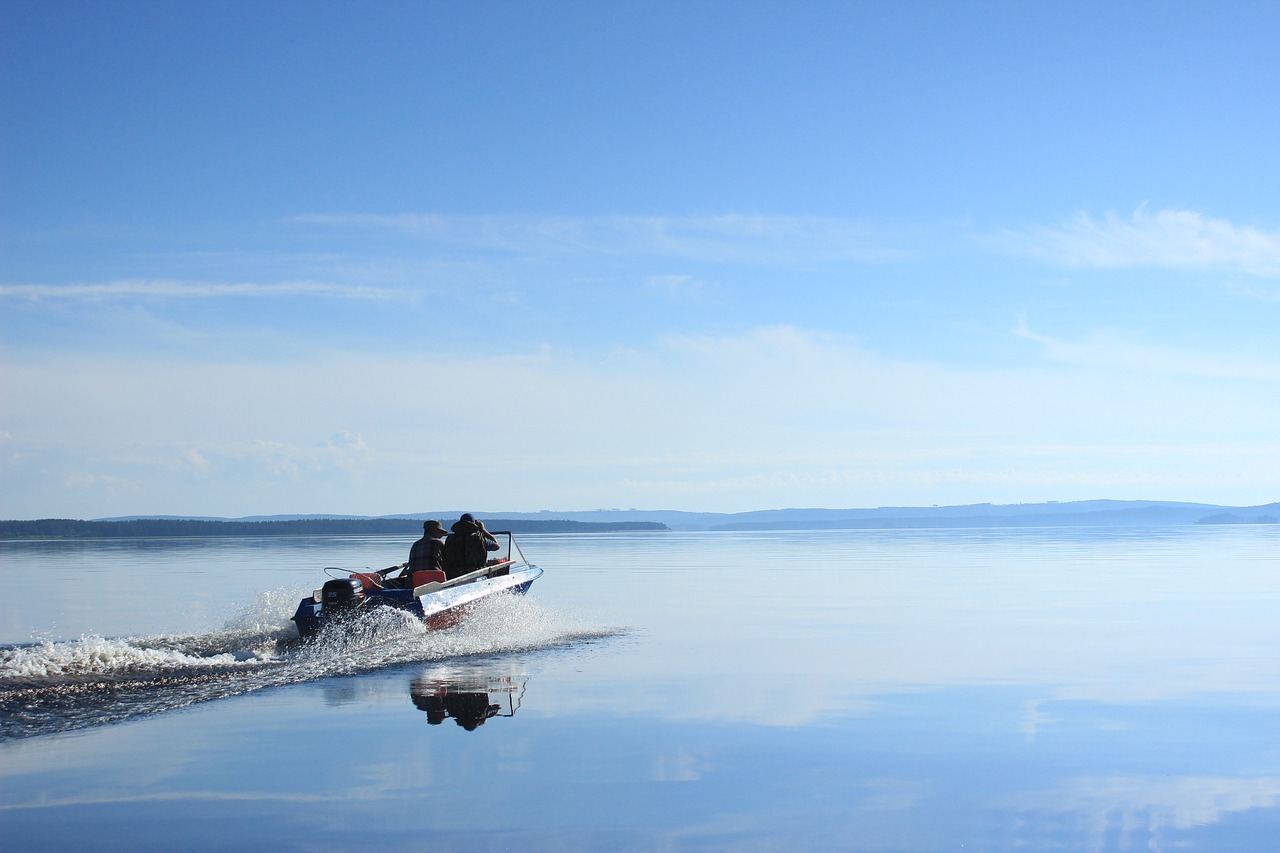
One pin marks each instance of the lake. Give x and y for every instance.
(930, 690)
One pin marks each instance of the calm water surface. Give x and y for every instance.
(1052, 689)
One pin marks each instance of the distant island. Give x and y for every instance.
(1096, 513)
(142, 528)
(1092, 513)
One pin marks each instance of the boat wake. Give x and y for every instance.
(48, 687)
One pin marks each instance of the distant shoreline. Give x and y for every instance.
(158, 528)
(1090, 513)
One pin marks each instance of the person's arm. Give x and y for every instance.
(490, 542)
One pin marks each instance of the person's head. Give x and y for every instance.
(466, 516)
(433, 528)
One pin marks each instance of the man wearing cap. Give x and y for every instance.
(427, 554)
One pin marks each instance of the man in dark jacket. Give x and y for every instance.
(468, 546)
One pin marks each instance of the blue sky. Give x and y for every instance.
(396, 257)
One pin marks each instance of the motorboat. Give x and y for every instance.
(435, 597)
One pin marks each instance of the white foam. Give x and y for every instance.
(93, 655)
(53, 686)
(259, 634)
(386, 637)
(268, 611)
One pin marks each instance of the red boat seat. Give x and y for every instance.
(419, 578)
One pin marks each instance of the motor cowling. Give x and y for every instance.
(341, 595)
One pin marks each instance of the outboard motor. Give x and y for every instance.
(340, 596)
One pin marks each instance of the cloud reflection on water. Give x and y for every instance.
(919, 691)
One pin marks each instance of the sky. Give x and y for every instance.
(383, 258)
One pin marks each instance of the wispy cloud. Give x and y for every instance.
(721, 238)
(1165, 239)
(678, 288)
(774, 415)
(178, 289)
(1119, 351)
(1131, 807)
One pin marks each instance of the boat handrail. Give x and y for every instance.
(475, 575)
(513, 547)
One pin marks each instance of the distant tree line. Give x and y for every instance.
(1232, 518)
(66, 528)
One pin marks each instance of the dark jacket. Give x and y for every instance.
(467, 548)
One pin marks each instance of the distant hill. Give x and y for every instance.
(139, 528)
(1096, 513)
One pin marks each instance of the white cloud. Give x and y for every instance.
(1126, 352)
(722, 238)
(1262, 294)
(346, 441)
(1166, 239)
(679, 288)
(175, 289)
(677, 765)
(776, 416)
(1138, 809)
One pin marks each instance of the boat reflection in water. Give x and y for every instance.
(470, 698)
